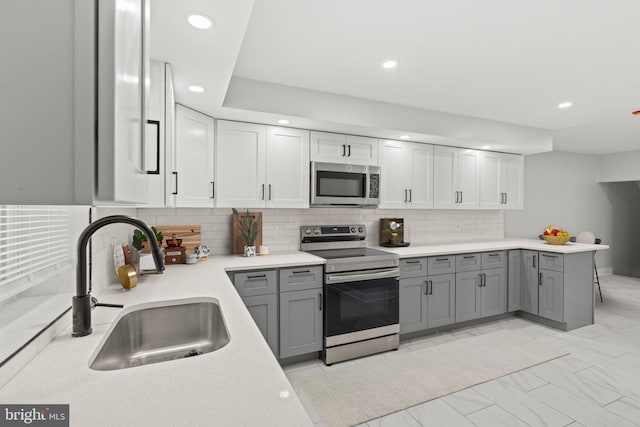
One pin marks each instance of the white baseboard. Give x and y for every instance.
(606, 271)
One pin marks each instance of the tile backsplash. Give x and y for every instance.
(281, 227)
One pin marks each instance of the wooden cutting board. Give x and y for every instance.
(190, 235)
(237, 247)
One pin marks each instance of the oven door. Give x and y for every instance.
(359, 301)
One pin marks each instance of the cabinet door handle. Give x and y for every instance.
(461, 197)
(431, 287)
(405, 195)
(156, 123)
(506, 198)
(213, 189)
(257, 276)
(174, 173)
(457, 196)
(269, 191)
(349, 147)
(410, 196)
(262, 197)
(344, 150)
(534, 261)
(320, 301)
(426, 287)
(540, 279)
(302, 272)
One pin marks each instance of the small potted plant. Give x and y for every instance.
(248, 231)
(140, 242)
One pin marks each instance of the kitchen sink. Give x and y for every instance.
(159, 333)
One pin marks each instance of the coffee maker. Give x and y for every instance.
(392, 233)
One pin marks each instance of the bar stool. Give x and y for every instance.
(588, 237)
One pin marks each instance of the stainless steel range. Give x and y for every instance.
(361, 292)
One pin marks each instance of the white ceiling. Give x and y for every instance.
(498, 60)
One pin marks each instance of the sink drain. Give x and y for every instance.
(193, 353)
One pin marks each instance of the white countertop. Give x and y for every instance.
(492, 245)
(237, 385)
(240, 384)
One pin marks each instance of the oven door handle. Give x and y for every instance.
(358, 277)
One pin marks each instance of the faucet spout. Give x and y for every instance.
(81, 303)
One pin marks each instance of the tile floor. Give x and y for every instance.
(598, 384)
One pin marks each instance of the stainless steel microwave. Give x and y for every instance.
(344, 184)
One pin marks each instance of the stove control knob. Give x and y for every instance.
(360, 230)
(353, 229)
(316, 231)
(307, 231)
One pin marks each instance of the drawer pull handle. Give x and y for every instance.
(442, 259)
(412, 262)
(257, 276)
(494, 254)
(302, 272)
(469, 256)
(550, 256)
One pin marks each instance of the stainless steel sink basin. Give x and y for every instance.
(152, 334)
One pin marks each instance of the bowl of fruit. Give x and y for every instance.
(555, 235)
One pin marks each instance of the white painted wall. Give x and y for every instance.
(618, 167)
(561, 188)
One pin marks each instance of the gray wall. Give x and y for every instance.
(624, 198)
(562, 188)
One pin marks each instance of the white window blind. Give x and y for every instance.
(34, 243)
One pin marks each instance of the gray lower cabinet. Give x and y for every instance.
(551, 295)
(528, 281)
(514, 272)
(264, 310)
(481, 292)
(557, 287)
(300, 322)
(468, 296)
(259, 292)
(427, 302)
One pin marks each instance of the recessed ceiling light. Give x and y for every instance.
(565, 104)
(196, 88)
(485, 147)
(390, 64)
(404, 137)
(200, 21)
(284, 121)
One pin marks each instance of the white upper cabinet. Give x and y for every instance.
(159, 142)
(262, 166)
(501, 181)
(456, 178)
(82, 138)
(287, 169)
(339, 148)
(490, 192)
(240, 164)
(512, 181)
(194, 184)
(406, 175)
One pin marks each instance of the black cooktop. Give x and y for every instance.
(348, 253)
